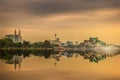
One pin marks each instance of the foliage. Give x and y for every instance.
(47, 44)
(6, 43)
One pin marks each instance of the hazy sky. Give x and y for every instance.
(74, 20)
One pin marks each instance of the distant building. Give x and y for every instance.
(56, 41)
(15, 37)
(92, 42)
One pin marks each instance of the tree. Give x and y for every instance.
(1, 43)
(7, 42)
(47, 44)
(26, 44)
(18, 44)
(37, 44)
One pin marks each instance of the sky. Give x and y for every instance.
(74, 20)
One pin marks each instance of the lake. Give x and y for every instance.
(50, 65)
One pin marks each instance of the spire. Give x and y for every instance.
(19, 33)
(15, 33)
(55, 35)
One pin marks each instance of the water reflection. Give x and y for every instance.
(16, 57)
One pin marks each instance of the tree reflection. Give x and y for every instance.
(16, 56)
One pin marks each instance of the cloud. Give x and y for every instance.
(62, 6)
(47, 7)
(12, 10)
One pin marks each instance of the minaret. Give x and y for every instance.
(15, 33)
(19, 33)
(55, 35)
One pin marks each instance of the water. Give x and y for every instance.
(50, 65)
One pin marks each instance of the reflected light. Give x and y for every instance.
(108, 49)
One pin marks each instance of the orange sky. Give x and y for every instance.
(39, 20)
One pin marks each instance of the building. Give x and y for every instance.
(92, 42)
(56, 41)
(15, 37)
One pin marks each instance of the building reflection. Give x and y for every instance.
(15, 57)
(17, 60)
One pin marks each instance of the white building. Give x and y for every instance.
(15, 37)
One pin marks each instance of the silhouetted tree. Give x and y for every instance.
(18, 45)
(37, 44)
(6, 43)
(26, 44)
(47, 44)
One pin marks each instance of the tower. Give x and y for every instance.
(55, 35)
(19, 33)
(15, 33)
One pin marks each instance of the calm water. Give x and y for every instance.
(50, 65)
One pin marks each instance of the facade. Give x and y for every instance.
(15, 37)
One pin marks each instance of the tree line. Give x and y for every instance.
(8, 43)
